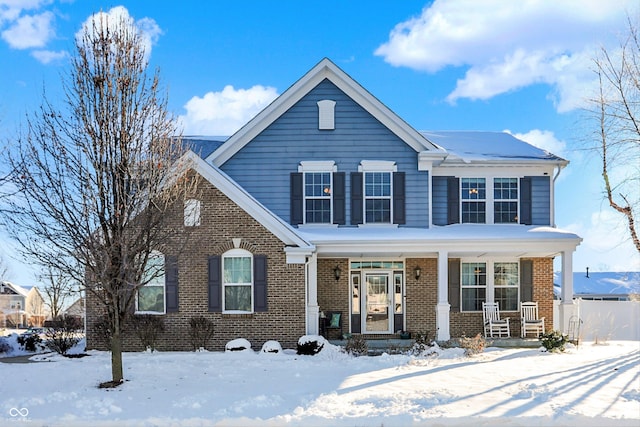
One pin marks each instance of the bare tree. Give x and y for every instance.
(57, 289)
(4, 269)
(616, 109)
(98, 179)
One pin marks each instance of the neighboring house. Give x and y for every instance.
(605, 286)
(21, 306)
(327, 201)
(76, 309)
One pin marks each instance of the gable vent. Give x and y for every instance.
(326, 114)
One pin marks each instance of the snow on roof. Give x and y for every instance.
(24, 291)
(487, 146)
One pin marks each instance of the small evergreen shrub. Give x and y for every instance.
(271, 347)
(310, 345)
(201, 332)
(473, 345)
(554, 340)
(5, 347)
(422, 343)
(148, 328)
(65, 335)
(356, 345)
(30, 342)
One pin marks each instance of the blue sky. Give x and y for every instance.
(443, 65)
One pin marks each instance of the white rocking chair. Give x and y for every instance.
(492, 322)
(529, 320)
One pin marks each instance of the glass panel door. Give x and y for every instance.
(377, 303)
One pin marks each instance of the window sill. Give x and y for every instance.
(154, 313)
(376, 225)
(317, 225)
(242, 315)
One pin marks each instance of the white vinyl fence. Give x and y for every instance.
(605, 320)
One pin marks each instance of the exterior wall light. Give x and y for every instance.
(337, 271)
(417, 271)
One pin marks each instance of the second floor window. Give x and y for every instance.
(505, 200)
(377, 197)
(473, 196)
(317, 197)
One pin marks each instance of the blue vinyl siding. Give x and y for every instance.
(264, 165)
(540, 200)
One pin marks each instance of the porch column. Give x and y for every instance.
(567, 307)
(443, 307)
(313, 311)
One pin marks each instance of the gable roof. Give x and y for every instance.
(476, 146)
(297, 247)
(18, 290)
(325, 69)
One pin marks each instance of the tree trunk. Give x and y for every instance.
(116, 357)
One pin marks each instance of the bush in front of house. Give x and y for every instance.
(310, 345)
(422, 344)
(239, 344)
(65, 335)
(148, 328)
(554, 341)
(30, 342)
(201, 332)
(5, 347)
(474, 345)
(271, 347)
(357, 345)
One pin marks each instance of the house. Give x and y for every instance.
(21, 306)
(76, 309)
(327, 201)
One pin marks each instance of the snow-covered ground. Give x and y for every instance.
(593, 385)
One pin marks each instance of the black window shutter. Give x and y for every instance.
(453, 200)
(215, 283)
(339, 198)
(356, 198)
(526, 280)
(171, 283)
(260, 283)
(399, 211)
(297, 198)
(525, 200)
(454, 284)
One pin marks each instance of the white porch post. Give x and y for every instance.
(312, 296)
(443, 307)
(567, 307)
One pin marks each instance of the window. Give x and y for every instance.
(474, 285)
(326, 114)
(150, 297)
(191, 213)
(505, 200)
(505, 276)
(377, 197)
(474, 194)
(317, 197)
(237, 277)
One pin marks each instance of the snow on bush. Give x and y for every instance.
(271, 347)
(239, 344)
(311, 344)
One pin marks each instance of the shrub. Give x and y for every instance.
(473, 345)
(357, 345)
(271, 347)
(30, 342)
(421, 344)
(4, 345)
(148, 327)
(554, 341)
(310, 344)
(239, 344)
(200, 332)
(65, 335)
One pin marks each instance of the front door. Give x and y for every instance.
(377, 303)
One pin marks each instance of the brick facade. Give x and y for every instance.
(221, 222)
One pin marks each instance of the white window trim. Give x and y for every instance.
(237, 253)
(318, 166)
(372, 166)
(152, 283)
(489, 199)
(490, 287)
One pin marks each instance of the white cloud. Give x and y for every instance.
(47, 56)
(10, 10)
(543, 139)
(30, 31)
(506, 45)
(223, 113)
(147, 27)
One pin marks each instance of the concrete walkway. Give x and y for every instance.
(18, 359)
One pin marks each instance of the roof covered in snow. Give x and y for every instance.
(469, 146)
